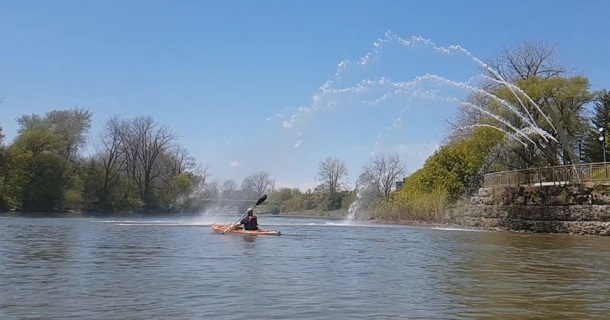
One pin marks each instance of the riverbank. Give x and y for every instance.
(333, 214)
(580, 209)
(575, 219)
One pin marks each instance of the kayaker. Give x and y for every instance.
(249, 221)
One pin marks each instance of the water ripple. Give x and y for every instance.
(69, 268)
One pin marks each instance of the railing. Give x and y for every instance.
(560, 175)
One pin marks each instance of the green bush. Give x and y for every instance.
(413, 206)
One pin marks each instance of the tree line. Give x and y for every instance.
(138, 165)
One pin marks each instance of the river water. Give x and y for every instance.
(177, 268)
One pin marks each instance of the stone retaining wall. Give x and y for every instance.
(572, 209)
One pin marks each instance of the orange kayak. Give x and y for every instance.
(222, 228)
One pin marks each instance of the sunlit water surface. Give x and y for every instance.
(177, 268)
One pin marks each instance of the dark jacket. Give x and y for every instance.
(250, 223)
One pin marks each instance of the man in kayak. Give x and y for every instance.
(250, 222)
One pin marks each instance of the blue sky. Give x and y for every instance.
(228, 76)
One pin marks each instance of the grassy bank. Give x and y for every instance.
(413, 206)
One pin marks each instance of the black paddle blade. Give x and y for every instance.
(261, 200)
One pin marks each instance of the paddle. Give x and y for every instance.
(261, 200)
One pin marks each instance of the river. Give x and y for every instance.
(177, 268)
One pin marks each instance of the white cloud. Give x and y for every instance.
(233, 163)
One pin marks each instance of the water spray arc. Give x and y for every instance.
(534, 127)
(330, 93)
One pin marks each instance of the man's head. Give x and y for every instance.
(250, 211)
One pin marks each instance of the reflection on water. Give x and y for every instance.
(142, 269)
(532, 275)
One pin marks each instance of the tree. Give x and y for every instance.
(203, 171)
(256, 184)
(70, 125)
(1, 136)
(184, 193)
(528, 96)
(68, 131)
(34, 180)
(530, 59)
(3, 159)
(182, 161)
(383, 171)
(599, 119)
(170, 164)
(137, 164)
(211, 189)
(330, 173)
(562, 104)
(111, 156)
(456, 166)
(227, 188)
(145, 142)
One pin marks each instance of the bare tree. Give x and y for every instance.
(525, 61)
(171, 163)
(227, 188)
(111, 155)
(182, 160)
(330, 173)
(211, 189)
(204, 172)
(145, 141)
(383, 171)
(256, 184)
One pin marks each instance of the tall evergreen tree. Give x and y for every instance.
(592, 145)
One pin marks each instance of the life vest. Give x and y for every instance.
(250, 223)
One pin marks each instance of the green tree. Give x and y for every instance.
(528, 95)
(61, 133)
(71, 126)
(34, 176)
(600, 118)
(182, 192)
(546, 116)
(3, 171)
(453, 167)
